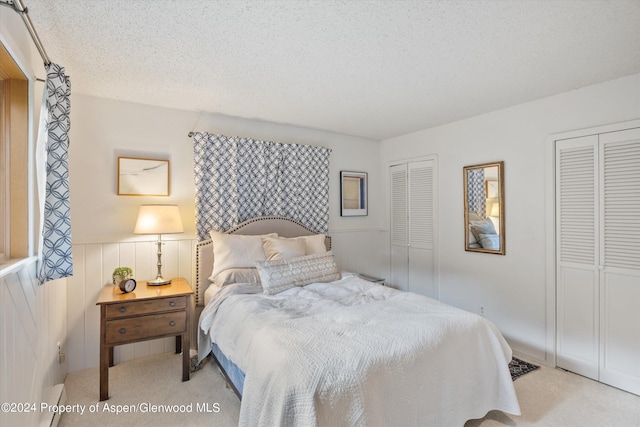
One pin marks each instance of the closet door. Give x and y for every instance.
(620, 259)
(399, 227)
(577, 255)
(412, 227)
(598, 250)
(421, 248)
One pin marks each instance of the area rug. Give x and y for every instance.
(519, 367)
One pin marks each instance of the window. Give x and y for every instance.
(14, 158)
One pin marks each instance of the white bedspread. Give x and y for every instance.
(354, 353)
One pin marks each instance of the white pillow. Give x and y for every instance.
(482, 227)
(314, 243)
(283, 248)
(472, 237)
(236, 251)
(280, 275)
(236, 275)
(490, 241)
(291, 247)
(474, 217)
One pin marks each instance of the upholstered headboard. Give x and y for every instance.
(285, 227)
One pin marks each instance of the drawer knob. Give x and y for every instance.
(122, 309)
(172, 304)
(172, 323)
(122, 330)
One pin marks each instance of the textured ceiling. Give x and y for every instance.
(375, 69)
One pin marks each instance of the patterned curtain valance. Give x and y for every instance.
(238, 179)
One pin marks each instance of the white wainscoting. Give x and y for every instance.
(93, 264)
(32, 322)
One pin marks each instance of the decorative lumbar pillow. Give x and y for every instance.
(280, 275)
(283, 248)
(236, 251)
(236, 275)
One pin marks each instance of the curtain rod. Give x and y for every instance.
(19, 8)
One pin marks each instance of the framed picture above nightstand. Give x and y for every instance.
(143, 177)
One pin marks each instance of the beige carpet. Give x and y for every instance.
(548, 397)
(153, 380)
(556, 398)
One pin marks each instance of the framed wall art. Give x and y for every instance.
(143, 177)
(353, 193)
(492, 188)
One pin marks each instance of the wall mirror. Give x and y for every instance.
(484, 224)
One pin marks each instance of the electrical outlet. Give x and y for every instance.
(61, 355)
(482, 310)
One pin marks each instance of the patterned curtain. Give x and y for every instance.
(55, 258)
(477, 192)
(240, 178)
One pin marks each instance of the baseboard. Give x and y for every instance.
(57, 397)
(531, 359)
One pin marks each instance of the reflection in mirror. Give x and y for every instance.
(484, 208)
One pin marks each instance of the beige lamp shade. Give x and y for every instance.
(158, 219)
(495, 210)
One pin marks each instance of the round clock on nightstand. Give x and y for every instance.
(127, 285)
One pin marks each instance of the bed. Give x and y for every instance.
(338, 350)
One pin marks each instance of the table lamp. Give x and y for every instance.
(158, 219)
(495, 210)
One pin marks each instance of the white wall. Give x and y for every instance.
(512, 288)
(102, 130)
(32, 318)
(102, 222)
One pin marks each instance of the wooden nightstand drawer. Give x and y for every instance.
(126, 309)
(126, 330)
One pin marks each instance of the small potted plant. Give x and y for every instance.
(120, 274)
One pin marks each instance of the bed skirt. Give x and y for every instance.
(232, 374)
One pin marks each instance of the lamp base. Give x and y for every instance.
(158, 281)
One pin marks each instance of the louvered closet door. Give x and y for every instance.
(412, 227)
(421, 250)
(399, 227)
(577, 251)
(620, 258)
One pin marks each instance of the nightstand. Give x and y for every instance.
(378, 280)
(148, 312)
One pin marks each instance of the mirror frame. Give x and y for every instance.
(501, 200)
